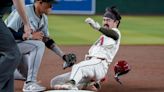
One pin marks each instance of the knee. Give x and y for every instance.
(40, 44)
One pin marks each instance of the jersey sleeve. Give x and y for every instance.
(110, 33)
(14, 21)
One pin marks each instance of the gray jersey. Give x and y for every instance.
(95, 67)
(37, 24)
(32, 50)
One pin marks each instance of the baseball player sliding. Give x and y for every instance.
(91, 72)
(32, 47)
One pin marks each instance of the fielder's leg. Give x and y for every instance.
(34, 51)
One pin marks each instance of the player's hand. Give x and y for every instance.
(27, 36)
(27, 32)
(92, 23)
(37, 35)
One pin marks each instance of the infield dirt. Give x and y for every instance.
(146, 75)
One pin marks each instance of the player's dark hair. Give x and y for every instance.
(115, 12)
(37, 0)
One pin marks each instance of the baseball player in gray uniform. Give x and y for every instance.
(89, 73)
(32, 48)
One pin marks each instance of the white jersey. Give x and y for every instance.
(37, 24)
(105, 47)
(93, 68)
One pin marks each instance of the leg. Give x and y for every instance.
(9, 58)
(63, 78)
(85, 72)
(60, 79)
(92, 69)
(33, 51)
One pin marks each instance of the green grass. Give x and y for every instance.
(135, 30)
(142, 30)
(71, 30)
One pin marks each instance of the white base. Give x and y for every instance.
(68, 91)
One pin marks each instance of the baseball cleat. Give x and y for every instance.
(33, 87)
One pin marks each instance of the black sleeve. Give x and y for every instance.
(17, 35)
(109, 33)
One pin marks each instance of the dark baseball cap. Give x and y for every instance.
(50, 1)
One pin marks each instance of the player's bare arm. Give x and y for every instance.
(38, 35)
(21, 9)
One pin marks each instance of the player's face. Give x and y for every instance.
(109, 23)
(46, 7)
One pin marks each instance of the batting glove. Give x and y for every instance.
(93, 24)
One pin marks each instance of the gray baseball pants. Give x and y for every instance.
(32, 52)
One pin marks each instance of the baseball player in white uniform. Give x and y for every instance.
(32, 48)
(89, 73)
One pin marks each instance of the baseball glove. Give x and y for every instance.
(120, 68)
(69, 59)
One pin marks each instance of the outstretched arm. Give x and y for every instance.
(95, 25)
(58, 51)
(69, 59)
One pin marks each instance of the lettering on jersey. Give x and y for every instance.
(102, 40)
